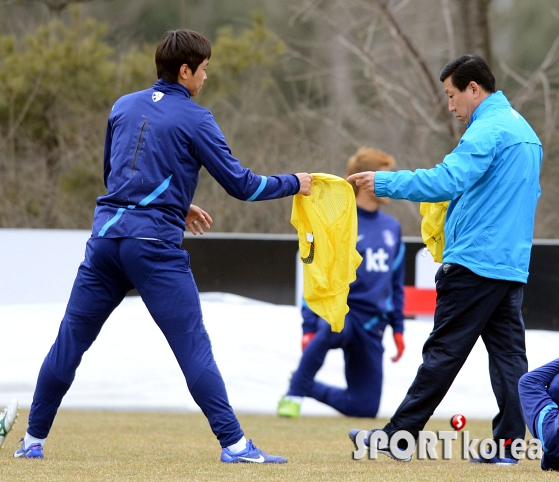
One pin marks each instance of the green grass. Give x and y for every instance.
(141, 446)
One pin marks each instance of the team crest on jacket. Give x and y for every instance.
(388, 238)
(156, 96)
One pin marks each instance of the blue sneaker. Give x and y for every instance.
(354, 432)
(381, 449)
(32, 452)
(8, 418)
(494, 460)
(251, 454)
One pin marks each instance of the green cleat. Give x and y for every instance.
(288, 408)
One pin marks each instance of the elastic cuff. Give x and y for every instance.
(381, 183)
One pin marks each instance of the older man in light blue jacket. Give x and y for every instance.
(492, 181)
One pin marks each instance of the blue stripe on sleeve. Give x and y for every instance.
(388, 304)
(372, 322)
(144, 202)
(399, 257)
(263, 182)
(542, 415)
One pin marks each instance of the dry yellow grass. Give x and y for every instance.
(132, 446)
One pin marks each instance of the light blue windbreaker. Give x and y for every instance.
(492, 181)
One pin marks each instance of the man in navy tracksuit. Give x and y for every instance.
(492, 181)
(157, 140)
(375, 300)
(539, 395)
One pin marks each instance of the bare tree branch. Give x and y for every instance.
(445, 7)
(388, 86)
(58, 6)
(509, 71)
(305, 10)
(15, 125)
(398, 33)
(548, 107)
(436, 98)
(530, 84)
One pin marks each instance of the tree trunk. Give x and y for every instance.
(474, 23)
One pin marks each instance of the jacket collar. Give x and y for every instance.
(496, 100)
(170, 87)
(367, 214)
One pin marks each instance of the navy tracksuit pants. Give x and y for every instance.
(470, 306)
(161, 273)
(363, 368)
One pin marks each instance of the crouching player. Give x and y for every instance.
(375, 300)
(539, 395)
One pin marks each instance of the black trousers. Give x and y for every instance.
(468, 306)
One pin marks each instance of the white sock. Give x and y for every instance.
(28, 440)
(239, 446)
(293, 398)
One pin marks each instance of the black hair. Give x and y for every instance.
(178, 47)
(467, 68)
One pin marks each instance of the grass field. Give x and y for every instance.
(131, 446)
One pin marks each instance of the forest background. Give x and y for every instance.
(295, 85)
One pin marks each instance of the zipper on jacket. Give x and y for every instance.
(138, 144)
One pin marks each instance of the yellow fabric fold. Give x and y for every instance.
(432, 227)
(326, 223)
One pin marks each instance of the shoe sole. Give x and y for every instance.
(501, 464)
(393, 457)
(251, 462)
(20, 454)
(23, 456)
(258, 461)
(287, 415)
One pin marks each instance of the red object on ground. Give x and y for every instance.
(419, 301)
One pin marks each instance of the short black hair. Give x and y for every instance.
(178, 47)
(467, 68)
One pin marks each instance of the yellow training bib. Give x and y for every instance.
(326, 222)
(432, 227)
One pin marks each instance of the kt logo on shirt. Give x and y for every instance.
(376, 260)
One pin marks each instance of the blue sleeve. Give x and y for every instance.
(310, 319)
(214, 153)
(398, 272)
(460, 170)
(107, 153)
(541, 413)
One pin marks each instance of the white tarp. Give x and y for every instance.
(256, 345)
